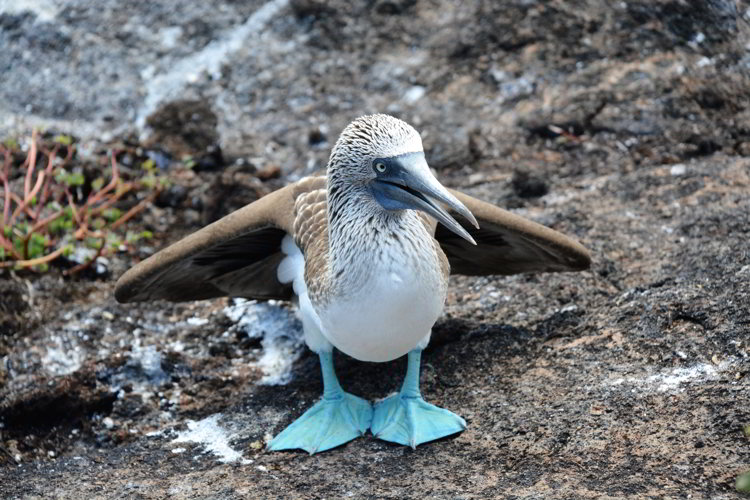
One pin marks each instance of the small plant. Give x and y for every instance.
(57, 212)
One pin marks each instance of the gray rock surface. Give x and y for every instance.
(624, 124)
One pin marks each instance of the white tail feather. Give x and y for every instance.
(292, 267)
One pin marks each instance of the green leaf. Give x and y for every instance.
(37, 245)
(2, 253)
(98, 223)
(10, 143)
(188, 161)
(132, 237)
(112, 214)
(65, 140)
(53, 206)
(97, 183)
(149, 181)
(68, 250)
(94, 243)
(743, 482)
(56, 225)
(148, 165)
(60, 174)
(38, 239)
(76, 179)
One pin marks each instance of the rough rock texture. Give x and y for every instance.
(624, 124)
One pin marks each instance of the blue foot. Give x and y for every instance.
(329, 423)
(412, 421)
(407, 419)
(336, 419)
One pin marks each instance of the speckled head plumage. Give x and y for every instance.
(369, 137)
(378, 169)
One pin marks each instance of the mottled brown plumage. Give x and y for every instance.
(238, 254)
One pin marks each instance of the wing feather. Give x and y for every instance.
(235, 256)
(239, 254)
(508, 244)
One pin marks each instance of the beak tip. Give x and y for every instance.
(469, 216)
(473, 220)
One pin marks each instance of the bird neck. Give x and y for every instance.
(360, 231)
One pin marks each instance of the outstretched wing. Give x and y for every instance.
(235, 256)
(508, 244)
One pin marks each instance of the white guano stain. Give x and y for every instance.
(212, 437)
(44, 10)
(281, 334)
(674, 380)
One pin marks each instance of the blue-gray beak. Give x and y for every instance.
(405, 182)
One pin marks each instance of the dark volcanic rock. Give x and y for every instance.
(623, 124)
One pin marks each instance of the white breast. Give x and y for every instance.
(388, 305)
(388, 314)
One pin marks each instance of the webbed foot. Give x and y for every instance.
(329, 423)
(336, 419)
(412, 421)
(407, 419)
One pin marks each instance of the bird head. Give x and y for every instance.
(384, 156)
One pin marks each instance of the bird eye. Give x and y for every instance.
(380, 167)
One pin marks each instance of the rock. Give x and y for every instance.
(12, 307)
(527, 185)
(185, 128)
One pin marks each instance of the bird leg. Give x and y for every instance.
(407, 419)
(336, 419)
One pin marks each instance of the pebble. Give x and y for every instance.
(678, 169)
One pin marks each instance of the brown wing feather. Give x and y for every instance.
(235, 256)
(311, 236)
(508, 244)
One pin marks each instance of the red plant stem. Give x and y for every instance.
(135, 210)
(72, 206)
(43, 223)
(109, 187)
(30, 194)
(48, 173)
(124, 189)
(19, 202)
(38, 184)
(6, 185)
(31, 166)
(33, 262)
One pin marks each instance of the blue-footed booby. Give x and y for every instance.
(367, 249)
